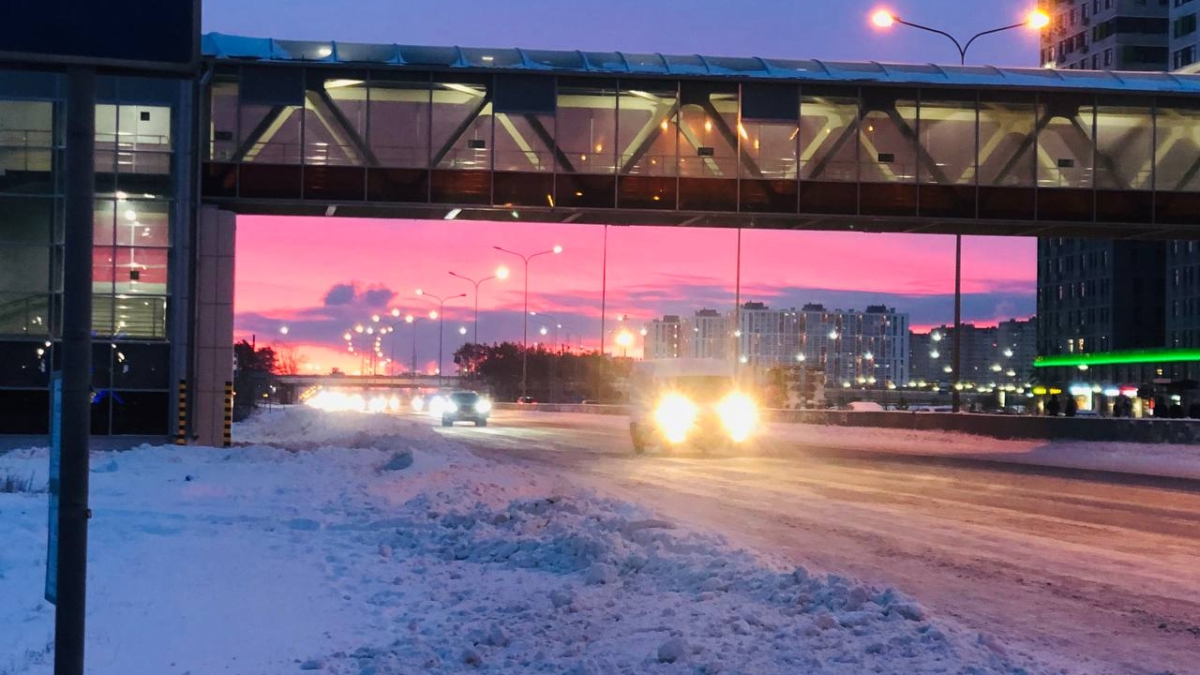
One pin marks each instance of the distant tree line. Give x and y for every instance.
(553, 377)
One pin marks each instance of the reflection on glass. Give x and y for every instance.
(708, 133)
(586, 127)
(648, 126)
(1065, 143)
(26, 136)
(828, 126)
(1178, 148)
(24, 314)
(1007, 142)
(1124, 157)
(335, 119)
(888, 135)
(462, 126)
(523, 143)
(223, 122)
(269, 134)
(769, 150)
(947, 141)
(399, 122)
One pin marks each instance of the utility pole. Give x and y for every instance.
(73, 513)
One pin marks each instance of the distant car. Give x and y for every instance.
(527, 400)
(466, 406)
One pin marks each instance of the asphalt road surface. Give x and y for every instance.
(1095, 573)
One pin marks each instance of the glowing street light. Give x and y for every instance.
(1035, 20)
(525, 330)
(624, 340)
(440, 315)
(501, 274)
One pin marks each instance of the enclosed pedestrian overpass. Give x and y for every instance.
(607, 137)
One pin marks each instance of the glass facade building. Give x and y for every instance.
(136, 213)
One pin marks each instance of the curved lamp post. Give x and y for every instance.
(501, 274)
(441, 317)
(884, 19)
(525, 330)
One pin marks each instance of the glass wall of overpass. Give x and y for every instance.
(1011, 160)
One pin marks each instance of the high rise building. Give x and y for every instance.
(1099, 296)
(767, 337)
(1184, 36)
(665, 338)
(1000, 355)
(870, 347)
(1110, 34)
(709, 335)
(1016, 341)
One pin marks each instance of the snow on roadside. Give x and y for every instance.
(318, 547)
(1177, 461)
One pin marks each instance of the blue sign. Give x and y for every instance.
(55, 464)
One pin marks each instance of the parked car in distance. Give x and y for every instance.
(527, 400)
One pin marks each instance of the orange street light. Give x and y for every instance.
(884, 19)
(1036, 20)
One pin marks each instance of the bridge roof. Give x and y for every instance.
(233, 47)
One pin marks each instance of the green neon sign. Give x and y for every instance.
(1133, 356)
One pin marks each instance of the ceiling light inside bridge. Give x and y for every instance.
(452, 214)
(338, 84)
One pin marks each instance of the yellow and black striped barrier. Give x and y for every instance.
(228, 414)
(181, 429)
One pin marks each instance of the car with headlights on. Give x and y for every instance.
(693, 403)
(463, 406)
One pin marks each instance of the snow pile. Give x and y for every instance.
(370, 545)
(1163, 459)
(584, 585)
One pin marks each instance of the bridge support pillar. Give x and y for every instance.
(213, 339)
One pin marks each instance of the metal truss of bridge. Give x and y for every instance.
(371, 381)
(448, 132)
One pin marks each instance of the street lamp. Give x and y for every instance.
(525, 329)
(624, 339)
(554, 322)
(1036, 20)
(412, 320)
(501, 274)
(441, 317)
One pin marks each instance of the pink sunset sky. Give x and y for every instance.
(318, 277)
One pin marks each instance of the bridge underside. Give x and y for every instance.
(631, 217)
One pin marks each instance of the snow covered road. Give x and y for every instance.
(1097, 572)
(357, 544)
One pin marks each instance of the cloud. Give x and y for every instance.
(378, 297)
(353, 293)
(341, 294)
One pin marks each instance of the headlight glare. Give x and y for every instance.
(483, 406)
(739, 416)
(675, 416)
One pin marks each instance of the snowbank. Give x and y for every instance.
(1175, 461)
(316, 547)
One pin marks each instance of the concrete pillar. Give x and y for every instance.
(213, 340)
